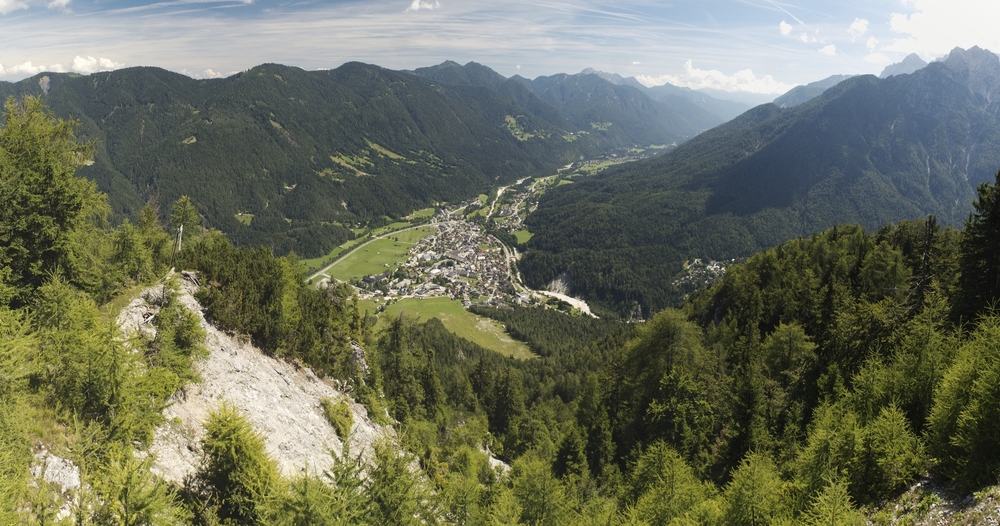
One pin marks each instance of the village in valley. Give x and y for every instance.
(459, 254)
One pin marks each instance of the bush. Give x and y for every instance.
(339, 415)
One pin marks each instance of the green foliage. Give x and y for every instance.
(540, 495)
(252, 292)
(15, 458)
(667, 386)
(623, 235)
(237, 475)
(130, 496)
(184, 214)
(339, 415)
(662, 487)
(962, 426)
(396, 494)
(44, 203)
(979, 284)
(409, 378)
(549, 332)
(756, 494)
(833, 507)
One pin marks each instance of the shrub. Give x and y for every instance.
(339, 415)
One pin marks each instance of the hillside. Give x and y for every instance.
(800, 94)
(842, 377)
(679, 98)
(590, 101)
(868, 151)
(300, 155)
(607, 114)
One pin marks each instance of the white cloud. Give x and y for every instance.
(695, 78)
(807, 38)
(830, 50)
(785, 27)
(935, 27)
(6, 6)
(872, 42)
(59, 4)
(212, 74)
(858, 27)
(417, 5)
(877, 58)
(24, 68)
(92, 65)
(636, 62)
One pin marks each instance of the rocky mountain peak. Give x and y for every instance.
(910, 64)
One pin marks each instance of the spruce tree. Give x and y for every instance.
(979, 282)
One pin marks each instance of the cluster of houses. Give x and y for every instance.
(460, 261)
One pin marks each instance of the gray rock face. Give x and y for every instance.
(911, 63)
(60, 472)
(280, 400)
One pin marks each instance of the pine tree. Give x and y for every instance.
(833, 507)
(237, 475)
(43, 202)
(755, 496)
(979, 282)
(184, 214)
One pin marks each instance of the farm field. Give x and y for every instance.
(483, 331)
(373, 257)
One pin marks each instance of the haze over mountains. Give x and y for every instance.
(867, 151)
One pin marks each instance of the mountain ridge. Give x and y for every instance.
(867, 150)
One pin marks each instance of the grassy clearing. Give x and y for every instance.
(384, 151)
(483, 331)
(515, 129)
(244, 218)
(425, 212)
(564, 181)
(597, 167)
(523, 236)
(389, 228)
(483, 198)
(314, 264)
(373, 257)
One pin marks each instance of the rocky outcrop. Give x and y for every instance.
(281, 401)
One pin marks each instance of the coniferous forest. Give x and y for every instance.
(812, 384)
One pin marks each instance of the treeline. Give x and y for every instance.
(863, 153)
(304, 153)
(813, 382)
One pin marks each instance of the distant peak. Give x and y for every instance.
(910, 64)
(613, 78)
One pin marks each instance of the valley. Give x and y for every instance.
(456, 256)
(446, 296)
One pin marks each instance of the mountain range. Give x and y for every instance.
(289, 158)
(867, 151)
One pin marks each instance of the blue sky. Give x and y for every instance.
(757, 46)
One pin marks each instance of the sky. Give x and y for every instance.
(741, 46)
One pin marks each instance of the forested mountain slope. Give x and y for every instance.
(589, 100)
(300, 152)
(610, 115)
(867, 151)
(813, 384)
(677, 97)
